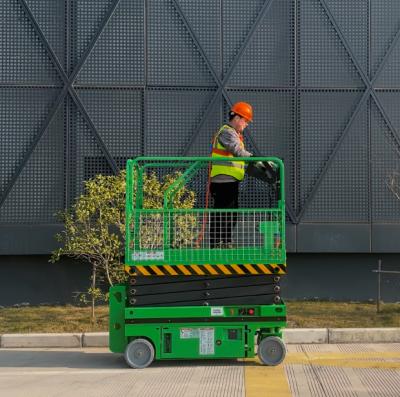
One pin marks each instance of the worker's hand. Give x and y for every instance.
(259, 164)
(272, 164)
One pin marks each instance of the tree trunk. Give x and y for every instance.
(107, 266)
(93, 289)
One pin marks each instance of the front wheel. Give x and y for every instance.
(139, 353)
(271, 351)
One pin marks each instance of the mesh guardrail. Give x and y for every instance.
(160, 231)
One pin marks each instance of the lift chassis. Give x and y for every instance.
(184, 299)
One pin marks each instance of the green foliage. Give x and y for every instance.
(94, 230)
(151, 225)
(94, 227)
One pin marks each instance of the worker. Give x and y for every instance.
(226, 175)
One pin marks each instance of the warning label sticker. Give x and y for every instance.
(206, 341)
(217, 311)
(189, 333)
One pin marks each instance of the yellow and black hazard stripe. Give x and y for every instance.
(206, 270)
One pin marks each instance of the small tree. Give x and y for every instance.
(94, 231)
(94, 227)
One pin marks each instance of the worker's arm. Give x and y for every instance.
(229, 139)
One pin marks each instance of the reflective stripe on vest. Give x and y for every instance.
(231, 168)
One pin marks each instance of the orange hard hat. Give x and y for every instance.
(243, 109)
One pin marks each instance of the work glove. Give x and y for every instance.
(264, 171)
(266, 165)
(272, 164)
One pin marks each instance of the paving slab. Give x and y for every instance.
(308, 370)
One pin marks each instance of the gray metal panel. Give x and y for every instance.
(84, 147)
(28, 239)
(23, 58)
(172, 58)
(201, 143)
(18, 128)
(310, 276)
(269, 57)
(390, 76)
(323, 116)
(333, 238)
(51, 17)
(238, 18)
(172, 115)
(384, 26)
(32, 279)
(385, 162)
(343, 194)
(204, 17)
(118, 57)
(38, 193)
(291, 233)
(323, 60)
(385, 237)
(158, 77)
(86, 18)
(117, 115)
(353, 20)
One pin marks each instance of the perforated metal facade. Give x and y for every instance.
(86, 84)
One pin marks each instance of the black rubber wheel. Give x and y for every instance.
(271, 351)
(139, 353)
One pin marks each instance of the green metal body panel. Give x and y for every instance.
(198, 312)
(194, 332)
(117, 336)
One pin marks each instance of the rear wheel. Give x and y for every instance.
(139, 353)
(271, 351)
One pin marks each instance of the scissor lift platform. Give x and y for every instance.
(185, 299)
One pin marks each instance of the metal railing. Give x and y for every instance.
(160, 232)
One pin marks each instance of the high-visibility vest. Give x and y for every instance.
(231, 168)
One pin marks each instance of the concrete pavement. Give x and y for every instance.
(308, 370)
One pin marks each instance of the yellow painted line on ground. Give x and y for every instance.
(390, 360)
(261, 380)
(272, 381)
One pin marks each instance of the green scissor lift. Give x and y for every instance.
(184, 299)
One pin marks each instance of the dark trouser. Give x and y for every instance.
(225, 195)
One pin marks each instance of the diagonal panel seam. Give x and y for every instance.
(218, 81)
(42, 38)
(68, 82)
(369, 91)
(221, 84)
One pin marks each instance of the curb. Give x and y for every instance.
(290, 336)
